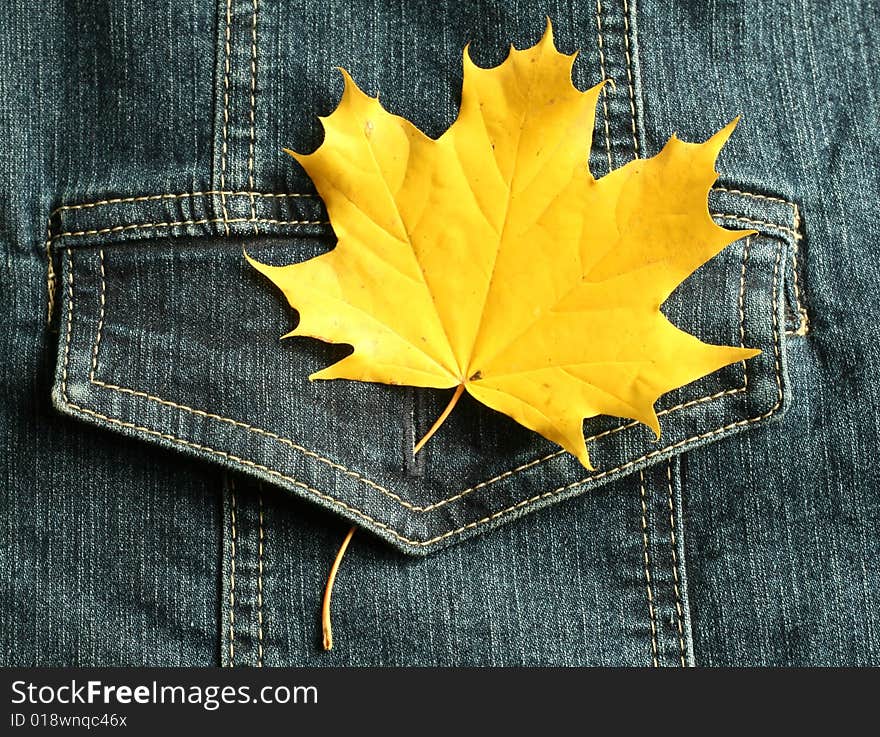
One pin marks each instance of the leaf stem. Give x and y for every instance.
(440, 420)
(328, 592)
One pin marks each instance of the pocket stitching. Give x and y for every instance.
(50, 238)
(804, 324)
(471, 525)
(367, 481)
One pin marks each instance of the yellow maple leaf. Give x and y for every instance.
(492, 261)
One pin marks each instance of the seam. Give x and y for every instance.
(629, 78)
(601, 43)
(230, 458)
(251, 428)
(354, 474)
(179, 223)
(260, 584)
(69, 326)
(804, 326)
(750, 221)
(175, 196)
(754, 195)
(94, 366)
(50, 273)
(232, 576)
(742, 314)
(676, 583)
(646, 560)
(804, 320)
(224, 146)
(363, 479)
(253, 106)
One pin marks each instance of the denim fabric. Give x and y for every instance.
(175, 488)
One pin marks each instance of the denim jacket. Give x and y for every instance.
(175, 488)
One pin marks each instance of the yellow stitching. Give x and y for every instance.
(225, 118)
(742, 318)
(230, 458)
(260, 587)
(679, 613)
(257, 430)
(662, 412)
(647, 565)
(392, 495)
(629, 79)
(253, 105)
(604, 88)
(471, 525)
(69, 327)
(354, 474)
(176, 196)
(803, 320)
(50, 273)
(234, 423)
(749, 221)
(180, 223)
(753, 195)
(803, 327)
(232, 579)
(100, 320)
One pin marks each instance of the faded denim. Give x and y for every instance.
(175, 488)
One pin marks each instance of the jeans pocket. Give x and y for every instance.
(168, 336)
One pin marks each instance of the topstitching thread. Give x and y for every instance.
(180, 223)
(252, 144)
(51, 238)
(175, 196)
(260, 583)
(629, 78)
(804, 324)
(232, 546)
(601, 43)
(236, 460)
(646, 562)
(676, 583)
(742, 289)
(354, 474)
(224, 144)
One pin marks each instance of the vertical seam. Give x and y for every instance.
(647, 565)
(224, 145)
(742, 313)
(69, 326)
(260, 584)
(50, 273)
(410, 460)
(232, 575)
(601, 42)
(252, 111)
(94, 367)
(629, 78)
(804, 324)
(676, 582)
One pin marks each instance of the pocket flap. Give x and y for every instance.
(167, 335)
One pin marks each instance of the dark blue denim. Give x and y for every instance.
(175, 489)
